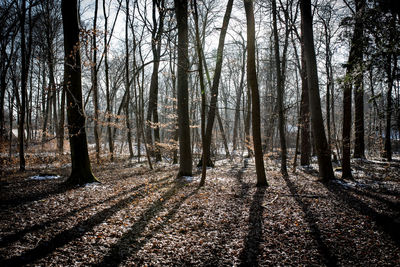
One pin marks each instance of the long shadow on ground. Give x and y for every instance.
(7, 240)
(251, 250)
(46, 247)
(386, 223)
(329, 258)
(131, 241)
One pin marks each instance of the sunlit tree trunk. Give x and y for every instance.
(95, 84)
(185, 155)
(253, 85)
(81, 172)
(321, 144)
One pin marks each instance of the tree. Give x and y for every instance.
(95, 89)
(81, 172)
(214, 91)
(185, 153)
(357, 75)
(280, 91)
(321, 144)
(253, 85)
(353, 75)
(152, 114)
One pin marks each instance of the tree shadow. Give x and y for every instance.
(329, 258)
(386, 223)
(133, 240)
(370, 193)
(7, 240)
(251, 250)
(46, 247)
(51, 189)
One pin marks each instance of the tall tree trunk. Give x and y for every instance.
(81, 172)
(253, 85)
(388, 143)
(346, 167)
(60, 143)
(152, 113)
(214, 88)
(280, 93)
(127, 85)
(107, 80)
(24, 77)
(95, 84)
(357, 75)
(321, 144)
(353, 74)
(185, 155)
(238, 100)
(304, 112)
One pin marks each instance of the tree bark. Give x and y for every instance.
(185, 155)
(95, 84)
(214, 88)
(24, 76)
(321, 144)
(357, 75)
(253, 85)
(81, 172)
(127, 85)
(107, 81)
(280, 92)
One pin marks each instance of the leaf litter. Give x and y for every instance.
(148, 218)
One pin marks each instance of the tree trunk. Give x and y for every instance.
(388, 143)
(214, 88)
(304, 113)
(127, 85)
(81, 172)
(152, 113)
(185, 155)
(321, 144)
(24, 77)
(60, 143)
(280, 93)
(238, 100)
(253, 85)
(107, 80)
(95, 84)
(357, 75)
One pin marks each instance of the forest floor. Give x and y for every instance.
(138, 217)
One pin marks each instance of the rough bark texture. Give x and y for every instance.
(238, 100)
(107, 80)
(253, 85)
(280, 92)
(185, 153)
(321, 144)
(95, 85)
(24, 72)
(81, 172)
(346, 170)
(127, 85)
(357, 75)
(304, 113)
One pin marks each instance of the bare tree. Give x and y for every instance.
(81, 172)
(321, 144)
(185, 154)
(253, 85)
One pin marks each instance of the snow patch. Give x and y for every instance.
(188, 178)
(92, 185)
(45, 177)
